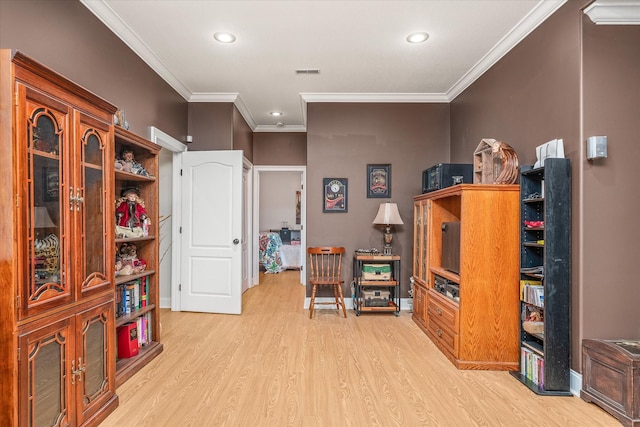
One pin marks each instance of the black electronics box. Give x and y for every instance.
(445, 175)
(285, 236)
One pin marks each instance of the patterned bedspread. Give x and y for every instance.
(275, 256)
(269, 254)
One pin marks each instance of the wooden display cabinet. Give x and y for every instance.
(56, 321)
(146, 316)
(473, 323)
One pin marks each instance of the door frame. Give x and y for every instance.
(165, 140)
(257, 170)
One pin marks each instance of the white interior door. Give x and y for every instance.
(211, 250)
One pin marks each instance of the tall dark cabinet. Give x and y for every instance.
(545, 277)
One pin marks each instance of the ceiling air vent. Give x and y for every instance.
(308, 71)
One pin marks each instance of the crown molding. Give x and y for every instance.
(285, 128)
(226, 97)
(522, 29)
(614, 12)
(109, 18)
(374, 97)
(544, 9)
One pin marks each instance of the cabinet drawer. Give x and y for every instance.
(445, 337)
(442, 310)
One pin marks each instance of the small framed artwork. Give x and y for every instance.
(51, 180)
(378, 181)
(334, 191)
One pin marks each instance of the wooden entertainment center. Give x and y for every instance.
(470, 315)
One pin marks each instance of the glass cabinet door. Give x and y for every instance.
(45, 382)
(420, 243)
(417, 228)
(91, 207)
(95, 386)
(43, 148)
(424, 242)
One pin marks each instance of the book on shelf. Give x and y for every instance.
(127, 340)
(144, 291)
(132, 296)
(532, 292)
(532, 366)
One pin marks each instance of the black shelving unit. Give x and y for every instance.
(545, 265)
(392, 285)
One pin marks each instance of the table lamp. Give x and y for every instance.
(41, 218)
(388, 215)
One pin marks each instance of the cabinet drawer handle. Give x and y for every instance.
(439, 311)
(439, 332)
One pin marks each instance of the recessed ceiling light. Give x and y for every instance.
(276, 113)
(417, 37)
(224, 37)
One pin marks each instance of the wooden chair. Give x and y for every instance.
(325, 264)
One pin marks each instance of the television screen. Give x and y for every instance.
(451, 246)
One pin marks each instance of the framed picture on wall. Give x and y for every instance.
(378, 181)
(334, 191)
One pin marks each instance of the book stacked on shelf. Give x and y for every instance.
(131, 296)
(134, 335)
(532, 366)
(532, 292)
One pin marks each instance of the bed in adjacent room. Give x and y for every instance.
(275, 256)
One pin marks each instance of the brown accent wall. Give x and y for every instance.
(66, 37)
(610, 294)
(341, 140)
(211, 125)
(529, 97)
(532, 95)
(242, 135)
(280, 148)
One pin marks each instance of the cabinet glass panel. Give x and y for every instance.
(425, 242)
(95, 355)
(46, 381)
(44, 175)
(90, 200)
(417, 214)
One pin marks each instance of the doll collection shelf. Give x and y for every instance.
(147, 247)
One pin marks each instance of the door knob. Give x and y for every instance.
(236, 241)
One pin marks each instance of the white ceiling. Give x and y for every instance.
(358, 46)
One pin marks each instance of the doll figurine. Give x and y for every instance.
(128, 163)
(131, 216)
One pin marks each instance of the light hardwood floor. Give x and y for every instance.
(273, 366)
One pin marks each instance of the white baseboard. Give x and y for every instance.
(575, 383)
(165, 302)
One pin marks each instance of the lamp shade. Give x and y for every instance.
(42, 218)
(388, 214)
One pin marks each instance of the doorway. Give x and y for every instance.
(260, 172)
(169, 210)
